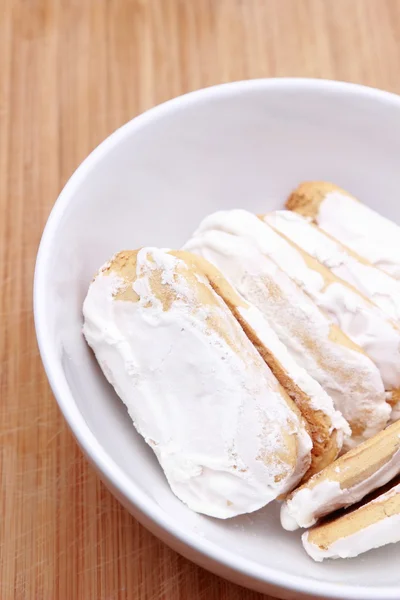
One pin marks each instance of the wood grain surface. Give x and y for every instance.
(71, 71)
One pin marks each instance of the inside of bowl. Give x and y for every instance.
(150, 185)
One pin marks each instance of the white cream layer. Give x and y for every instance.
(383, 532)
(309, 504)
(215, 418)
(319, 399)
(372, 282)
(363, 230)
(364, 323)
(341, 371)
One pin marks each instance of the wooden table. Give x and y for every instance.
(71, 71)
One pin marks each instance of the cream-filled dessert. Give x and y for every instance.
(262, 362)
(363, 322)
(236, 243)
(226, 434)
(362, 229)
(326, 426)
(373, 525)
(370, 281)
(346, 481)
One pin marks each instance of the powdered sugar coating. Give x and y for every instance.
(319, 399)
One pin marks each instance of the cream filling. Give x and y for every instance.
(215, 417)
(363, 230)
(364, 323)
(383, 532)
(373, 283)
(309, 504)
(343, 373)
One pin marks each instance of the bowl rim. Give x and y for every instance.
(86, 439)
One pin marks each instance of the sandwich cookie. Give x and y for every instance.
(346, 481)
(376, 285)
(226, 434)
(365, 231)
(373, 283)
(363, 322)
(342, 369)
(373, 525)
(326, 426)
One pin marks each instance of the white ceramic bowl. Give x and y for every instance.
(245, 145)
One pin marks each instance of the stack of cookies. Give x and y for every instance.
(262, 362)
